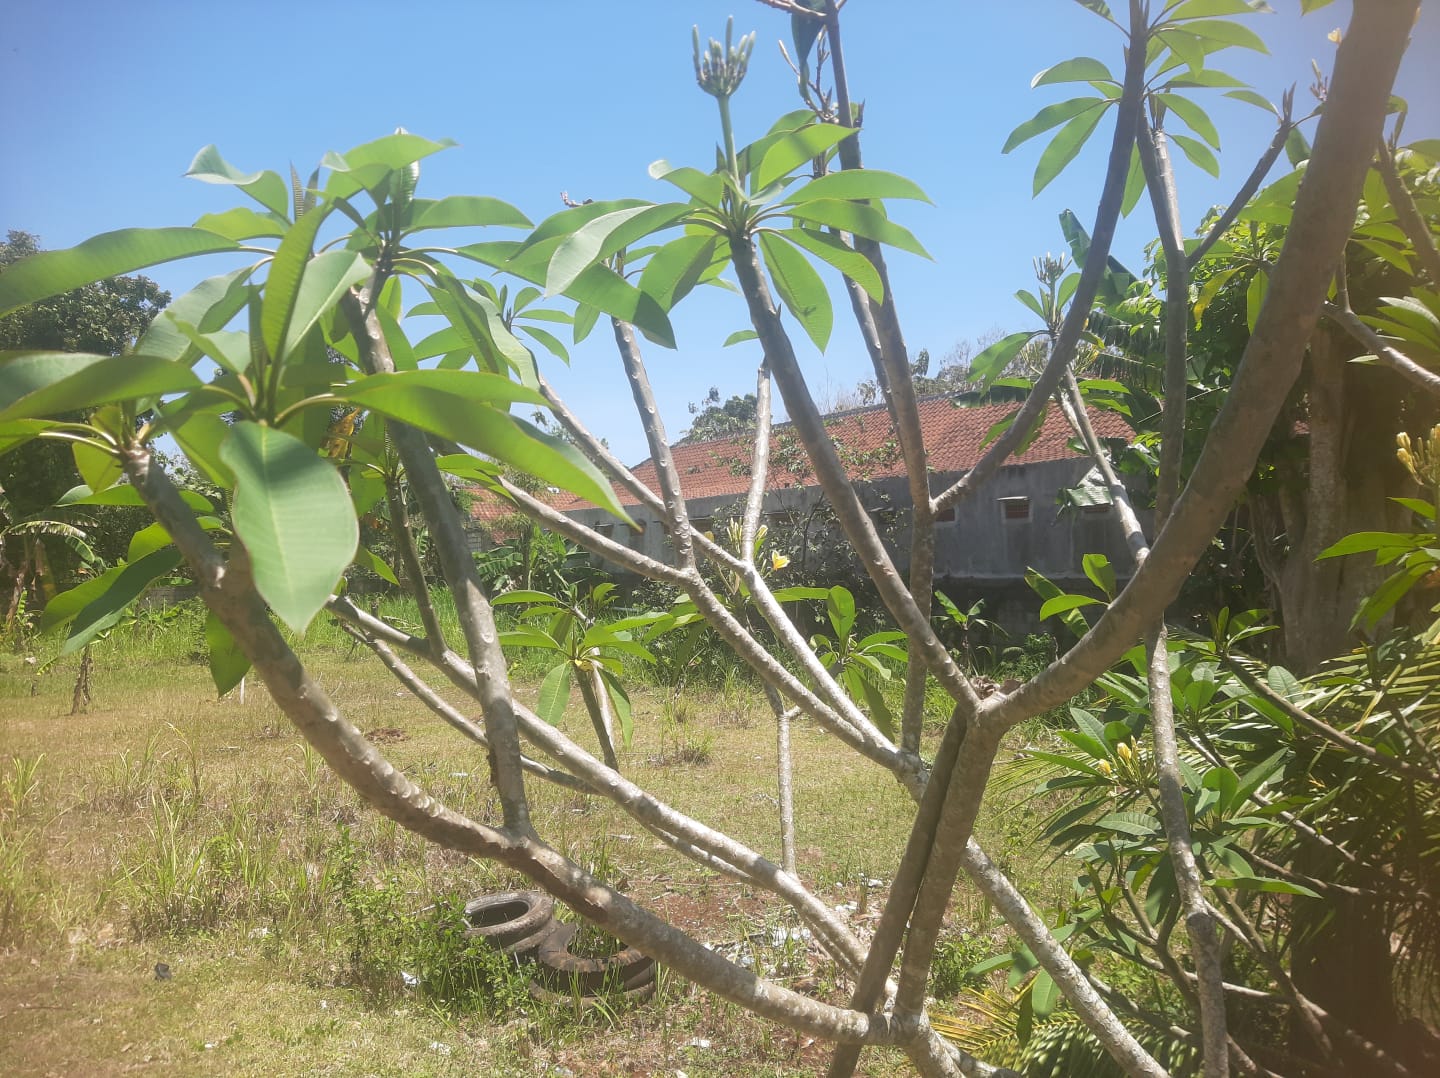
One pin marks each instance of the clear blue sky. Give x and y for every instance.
(106, 103)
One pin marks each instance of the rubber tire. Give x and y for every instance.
(510, 919)
(563, 973)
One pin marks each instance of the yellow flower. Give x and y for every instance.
(1105, 768)
(778, 561)
(1126, 752)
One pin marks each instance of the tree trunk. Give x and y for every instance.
(1343, 486)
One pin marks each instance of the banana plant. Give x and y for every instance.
(590, 653)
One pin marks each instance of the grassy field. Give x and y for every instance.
(303, 934)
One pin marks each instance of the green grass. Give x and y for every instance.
(168, 826)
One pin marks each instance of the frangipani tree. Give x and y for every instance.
(324, 265)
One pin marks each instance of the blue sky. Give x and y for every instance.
(107, 103)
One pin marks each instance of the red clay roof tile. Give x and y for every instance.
(865, 438)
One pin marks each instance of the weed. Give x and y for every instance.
(955, 954)
(19, 783)
(390, 949)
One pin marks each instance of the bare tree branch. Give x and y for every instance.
(1251, 185)
(1385, 352)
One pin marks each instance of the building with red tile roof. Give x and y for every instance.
(990, 539)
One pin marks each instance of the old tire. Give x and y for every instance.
(563, 973)
(516, 922)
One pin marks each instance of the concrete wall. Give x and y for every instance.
(1009, 526)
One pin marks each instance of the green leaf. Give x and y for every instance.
(228, 664)
(52, 273)
(294, 516)
(406, 395)
(1051, 116)
(1250, 97)
(620, 704)
(108, 607)
(1101, 573)
(739, 336)
(858, 183)
(1205, 9)
(1228, 34)
(1383, 543)
(1204, 78)
(34, 385)
(1198, 153)
(1045, 993)
(791, 149)
(282, 286)
(367, 559)
(459, 405)
(208, 308)
(598, 288)
(1135, 824)
(1415, 505)
(99, 469)
(126, 495)
(266, 188)
(1061, 603)
(371, 163)
(1225, 783)
(1307, 6)
(482, 330)
(464, 211)
(243, 223)
(1194, 116)
(1134, 185)
(704, 187)
(860, 220)
(800, 287)
(1255, 299)
(834, 251)
(1063, 148)
(325, 279)
(1079, 69)
(554, 694)
(604, 236)
(1261, 883)
(840, 608)
(989, 363)
(677, 267)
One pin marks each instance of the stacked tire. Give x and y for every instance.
(523, 924)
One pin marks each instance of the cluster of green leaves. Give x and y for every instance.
(587, 249)
(574, 630)
(1248, 771)
(862, 664)
(1179, 41)
(258, 427)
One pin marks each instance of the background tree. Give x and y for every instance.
(105, 318)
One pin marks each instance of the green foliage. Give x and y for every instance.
(293, 371)
(1180, 39)
(585, 647)
(391, 948)
(863, 665)
(1256, 784)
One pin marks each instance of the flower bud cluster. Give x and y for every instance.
(1422, 458)
(720, 69)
